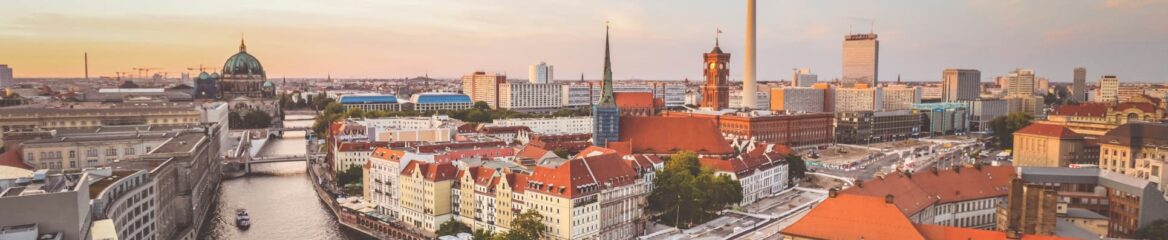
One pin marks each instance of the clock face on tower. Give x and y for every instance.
(713, 65)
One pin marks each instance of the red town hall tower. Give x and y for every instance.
(716, 93)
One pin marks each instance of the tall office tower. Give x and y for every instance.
(540, 73)
(605, 114)
(803, 78)
(6, 76)
(749, 84)
(1079, 87)
(861, 59)
(960, 85)
(1020, 82)
(1109, 89)
(716, 93)
(484, 87)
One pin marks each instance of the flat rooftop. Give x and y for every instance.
(184, 142)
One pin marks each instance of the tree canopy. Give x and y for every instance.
(452, 227)
(686, 194)
(1157, 230)
(1003, 127)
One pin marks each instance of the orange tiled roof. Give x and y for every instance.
(387, 154)
(12, 158)
(925, 188)
(634, 100)
(667, 135)
(590, 150)
(1084, 110)
(432, 171)
(1048, 130)
(854, 217)
(531, 152)
(1142, 106)
(581, 176)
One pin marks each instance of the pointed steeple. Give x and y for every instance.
(242, 47)
(607, 97)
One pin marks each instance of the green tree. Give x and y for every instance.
(1003, 127)
(796, 168)
(481, 234)
(528, 225)
(257, 119)
(233, 120)
(481, 105)
(451, 227)
(350, 176)
(685, 193)
(1157, 230)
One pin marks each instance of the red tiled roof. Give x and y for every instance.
(581, 176)
(667, 135)
(1048, 130)
(433, 172)
(925, 188)
(531, 152)
(12, 158)
(643, 162)
(634, 100)
(387, 154)
(1142, 106)
(854, 217)
(433, 148)
(1084, 110)
(360, 146)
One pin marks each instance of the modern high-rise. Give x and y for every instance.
(484, 87)
(1020, 82)
(1108, 88)
(960, 84)
(531, 96)
(1079, 87)
(716, 93)
(605, 114)
(803, 78)
(6, 76)
(540, 73)
(898, 97)
(861, 59)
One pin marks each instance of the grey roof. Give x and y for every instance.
(1138, 134)
(1060, 175)
(1083, 213)
(1063, 228)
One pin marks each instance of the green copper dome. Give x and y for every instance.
(243, 65)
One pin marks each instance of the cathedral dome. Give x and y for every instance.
(243, 65)
(204, 75)
(269, 84)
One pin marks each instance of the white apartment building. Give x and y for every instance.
(410, 123)
(382, 189)
(797, 99)
(760, 174)
(803, 78)
(672, 93)
(351, 154)
(857, 99)
(528, 96)
(73, 152)
(129, 201)
(932, 92)
(577, 95)
(762, 99)
(557, 125)
(899, 97)
(540, 73)
(1108, 89)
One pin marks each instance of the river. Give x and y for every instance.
(279, 198)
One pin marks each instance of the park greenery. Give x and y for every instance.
(350, 177)
(525, 226)
(1157, 230)
(1003, 127)
(330, 111)
(686, 194)
(248, 119)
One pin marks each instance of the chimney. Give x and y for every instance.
(859, 183)
(935, 171)
(888, 198)
(1013, 234)
(833, 192)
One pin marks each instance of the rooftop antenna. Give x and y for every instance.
(716, 36)
(872, 27)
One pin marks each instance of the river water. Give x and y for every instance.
(278, 196)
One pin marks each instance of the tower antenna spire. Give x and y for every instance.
(242, 47)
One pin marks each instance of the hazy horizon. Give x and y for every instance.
(650, 40)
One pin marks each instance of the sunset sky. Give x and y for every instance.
(660, 39)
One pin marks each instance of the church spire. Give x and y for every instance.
(606, 96)
(242, 47)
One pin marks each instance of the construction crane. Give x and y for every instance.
(144, 69)
(201, 68)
